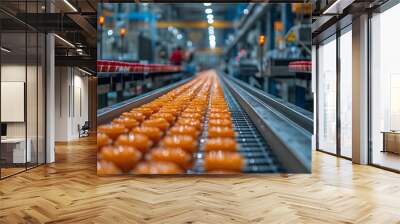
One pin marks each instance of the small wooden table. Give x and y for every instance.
(391, 141)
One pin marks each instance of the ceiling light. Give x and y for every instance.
(5, 50)
(210, 16)
(207, 4)
(210, 21)
(122, 31)
(210, 28)
(179, 36)
(208, 11)
(246, 11)
(110, 32)
(212, 44)
(211, 37)
(65, 41)
(70, 5)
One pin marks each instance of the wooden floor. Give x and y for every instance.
(70, 192)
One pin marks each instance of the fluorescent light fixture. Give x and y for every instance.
(207, 4)
(211, 32)
(210, 21)
(212, 37)
(208, 11)
(65, 41)
(210, 16)
(210, 28)
(86, 72)
(70, 5)
(5, 50)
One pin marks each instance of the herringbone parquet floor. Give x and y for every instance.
(70, 192)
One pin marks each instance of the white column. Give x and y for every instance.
(360, 90)
(50, 98)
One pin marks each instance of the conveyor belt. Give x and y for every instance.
(285, 129)
(269, 141)
(259, 157)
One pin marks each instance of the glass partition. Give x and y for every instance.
(346, 93)
(13, 95)
(385, 89)
(22, 90)
(327, 96)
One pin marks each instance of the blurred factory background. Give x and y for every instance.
(267, 46)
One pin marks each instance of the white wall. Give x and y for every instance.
(71, 94)
(16, 73)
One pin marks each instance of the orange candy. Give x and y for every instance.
(172, 111)
(195, 116)
(138, 141)
(214, 132)
(134, 115)
(157, 167)
(144, 110)
(189, 122)
(153, 133)
(160, 123)
(184, 142)
(184, 130)
(220, 122)
(223, 161)
(112, 130)
(129, 123)
(175, 155)
(223, 144)
(167, 116)
(219, 116)
(107, 168)
(124, 157)
(194, 110)
(219, 110)
(153, 106)
(102, 140)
